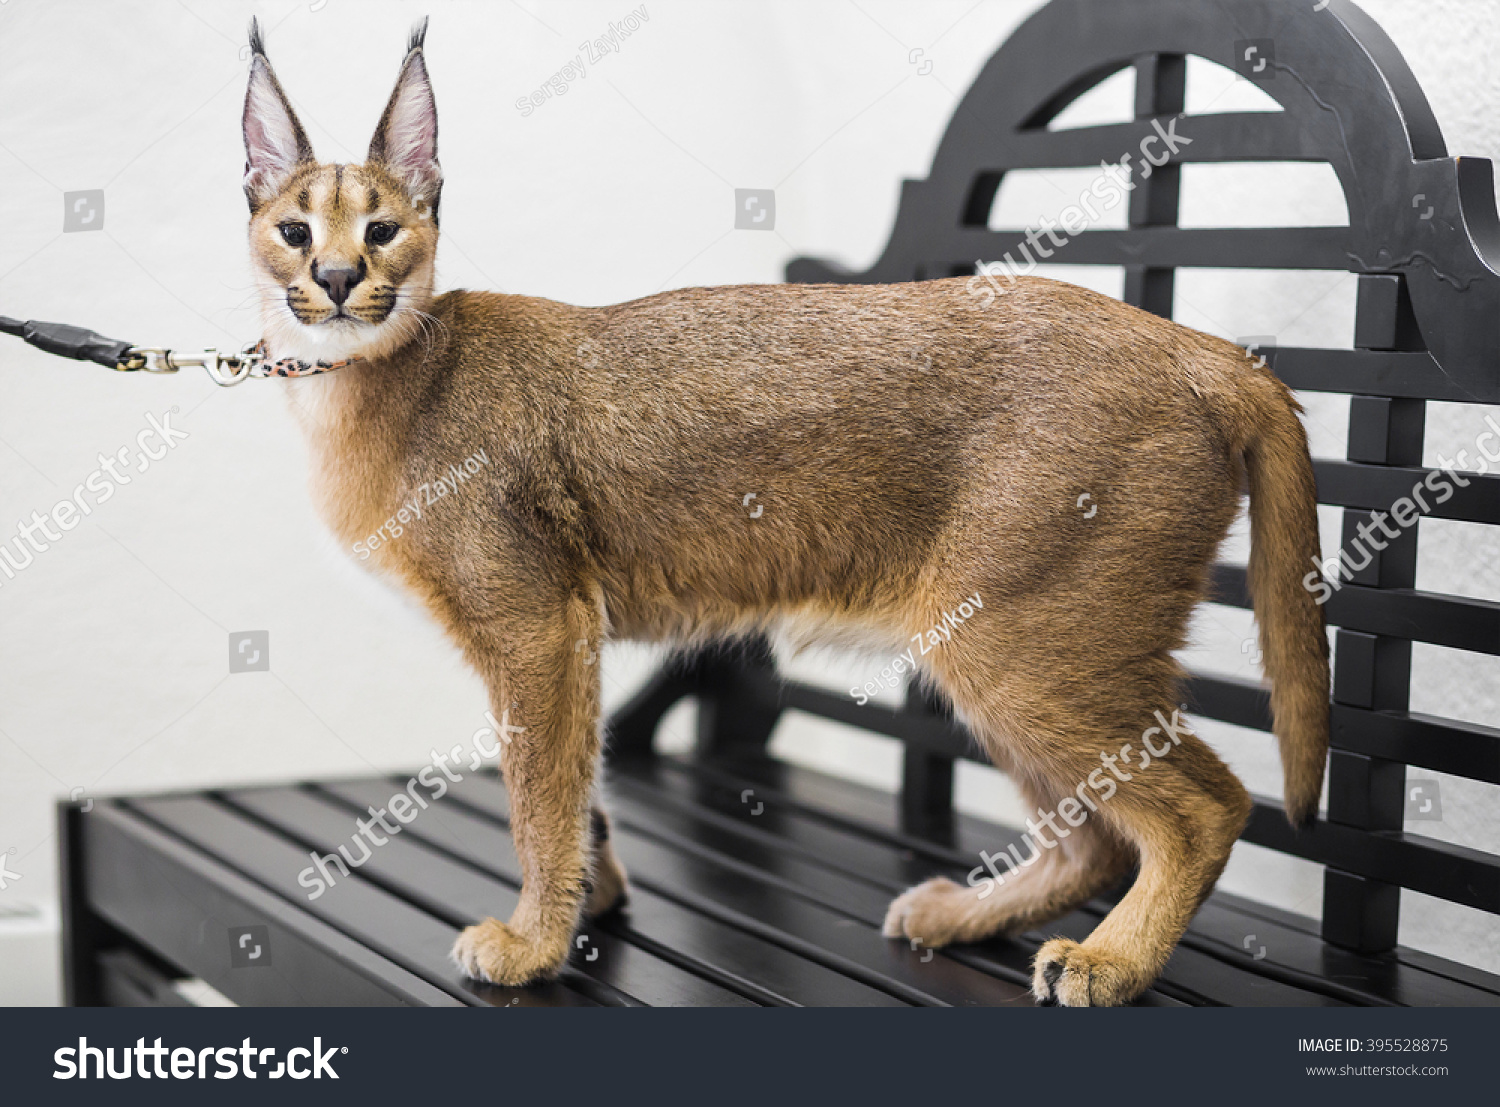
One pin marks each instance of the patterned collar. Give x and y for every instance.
(293, 367)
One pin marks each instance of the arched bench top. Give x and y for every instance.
(1347, 98)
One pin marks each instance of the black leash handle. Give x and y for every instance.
(77, 343)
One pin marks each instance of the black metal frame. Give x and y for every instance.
(1427, 328)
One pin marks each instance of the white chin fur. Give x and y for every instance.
(286, 337)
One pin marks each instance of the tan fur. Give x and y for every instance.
(909, 446)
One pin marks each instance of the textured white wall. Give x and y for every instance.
(113, 644)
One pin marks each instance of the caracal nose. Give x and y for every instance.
(339, 282)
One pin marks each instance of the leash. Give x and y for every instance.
(225, 369)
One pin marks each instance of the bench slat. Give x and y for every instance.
(766, 904)
(1458, 622)
(1226, 137)
(749, 963)
(1409, 978)
(1427, 865)
(395, 929)
(1166, 247)
(1443, 745)
(1403, 374)
(455, 892)
(1377, 487)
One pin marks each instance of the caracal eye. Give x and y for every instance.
(296, 234)
(378, 234)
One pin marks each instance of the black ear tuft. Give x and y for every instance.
(405, 139)
(275, 143)
(418, 36)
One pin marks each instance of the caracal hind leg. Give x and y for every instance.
(607, 887)
(1036, 883)
(1090, 725)
(1181, 811)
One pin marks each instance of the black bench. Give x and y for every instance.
(755, 882)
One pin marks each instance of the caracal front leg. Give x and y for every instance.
(550, 686)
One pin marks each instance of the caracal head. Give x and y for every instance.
(342, 254)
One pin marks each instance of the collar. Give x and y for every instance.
(293, 367)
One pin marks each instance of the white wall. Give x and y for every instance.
(113, 644)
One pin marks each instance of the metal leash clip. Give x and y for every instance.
(224, 369)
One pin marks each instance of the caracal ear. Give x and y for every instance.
(275, 144)
(405, 141)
